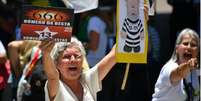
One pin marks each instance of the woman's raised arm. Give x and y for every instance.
(106, 64)
(50, 67)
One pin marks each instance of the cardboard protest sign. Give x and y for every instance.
(39, 23)
(132, 36)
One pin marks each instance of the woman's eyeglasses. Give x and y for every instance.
(72, 56)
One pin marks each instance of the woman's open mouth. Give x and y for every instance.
(187, 56)
(72, 68)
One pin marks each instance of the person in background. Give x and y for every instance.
(82, 27)
(178, 80)
(63, 66)
(154, 64)
(97, 37)
(32, 80)
(19, 53)
(4, 69)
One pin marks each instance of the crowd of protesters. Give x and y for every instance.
(20, 83)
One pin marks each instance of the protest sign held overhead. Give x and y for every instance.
(39, 23)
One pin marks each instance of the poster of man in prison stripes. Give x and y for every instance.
(132, 36)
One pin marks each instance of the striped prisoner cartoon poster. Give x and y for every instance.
(132, 36)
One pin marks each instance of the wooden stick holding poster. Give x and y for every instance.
(132, 38)
(125, 76)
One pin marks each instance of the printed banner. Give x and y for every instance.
(132, 36)
(39, 23)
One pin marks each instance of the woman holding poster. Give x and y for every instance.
(63, 66)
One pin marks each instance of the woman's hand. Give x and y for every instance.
(46, 46)
(182, 70)
(192, 63)
(146, 11)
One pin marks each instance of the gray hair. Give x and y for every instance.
(185, 31)
(59, 47)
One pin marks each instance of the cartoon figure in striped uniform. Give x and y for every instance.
(132, 28)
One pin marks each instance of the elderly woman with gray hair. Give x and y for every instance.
(63, 66)
(180, 71)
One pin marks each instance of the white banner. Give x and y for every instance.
(81, 5)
